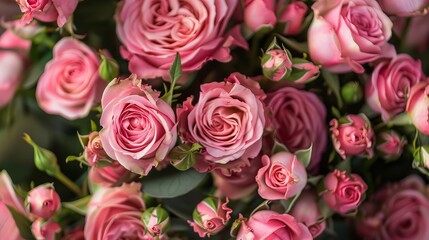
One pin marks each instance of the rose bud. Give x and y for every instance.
(391, 146)
(156, 220)
(352, 92)
(352, 136)
(306, 210)
(276, 64)
(94, 151)
(404, 8)
(303, 71)
(210, 216)
(343, 192)
(48, 230)
(265, 225)
(43, 202)
(265, 12)
(417, 106)
(293, 15)
(282, 176)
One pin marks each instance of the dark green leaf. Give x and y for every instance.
(183, 156)
(297, 46)
(176, 69)
(36, 71)
(23, 224)
(304, 156)
(334, 84)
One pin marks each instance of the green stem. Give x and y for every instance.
(404, 33)
(68, 183)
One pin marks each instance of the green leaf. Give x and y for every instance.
(183, 156)
(304, 156)
(288, 204)
(170, 183)
(36, 71)
(79, 206)
(176, 69)
(334, 84)
(278, 147)
(400, 120)
(297, 46)
(263, 206)
(23, 224)
(314, 180)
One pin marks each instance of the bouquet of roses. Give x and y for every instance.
(223, 119)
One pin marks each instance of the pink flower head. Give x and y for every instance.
(306, 210)
(392, 145)
(265, 12)
(293, 15)
(418, 106)
(156, 220)
(43, 202)
(45, 230)
(276, 64)
(107, 176)
(94, 151)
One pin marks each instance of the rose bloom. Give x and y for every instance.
(282, 176)
(353, 138)
(114, 213)
(404, 7)
(390, 83)
(70, 84)
(417, 106)
(153, 31)
(343, 192)
(139, 128)
(47, 10)
(108, 175)
(259, 13)
(298, 118)
(43, 202)
(94, 151)
(45, 230)
(293, 15)
(265, 225)
(347, 33)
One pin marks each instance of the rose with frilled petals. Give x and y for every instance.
(47, 10)
(45, 230)
(43, 201)
(347, 33)
(299, 120)
(264, 9)
(282, 176)
(306, 210)
(417, 106)
(343, 192)
(70, 84)
(114, 213)
(293, 15)
(391, 146)
(265, 225)
(210, 216)
(139, 128)
(94, 151)
(390, 83)
(108, 175)
(153, 31)
(353, 137)
(404, 7)
(276, 64)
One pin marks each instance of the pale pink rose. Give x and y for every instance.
(404, 7)
(299, 120)
(210, 216)
(282, 176)
(392, 145)
(70, 85)
(343, 192)
(114, 213)
(417, 106)
(153, 31)
(47, 10)
(94, 151)
(276, 64)
(139, 128)
(293, 15)
(266, 225)
(306, 210)
(8, 226)
(259, 13)
(388, 88)
(45, 230)
(42, 201)
(417, 33)
(347, 33)
(354, 137)
(108, 175)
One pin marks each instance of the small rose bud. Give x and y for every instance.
(210, 216)
(352, 92)
(156, 220)
(45, 230)
(44, 159)
(94, 151)
(109, 68)
(293, 15)
(43, 201)
(303, 71)
(276, 64)
(391, 145)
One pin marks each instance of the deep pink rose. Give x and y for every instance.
(417, 106)
(114, 213)
(43, 201)
(94, 151)
(267, 225)
(343, 192)
(47, 10)
(108, 175)
(282, 176)
(299, 120)
(391, 145)
(354, 137)
(45, 230)
(139, 128)
(347, 33)
(390, 83)
(152, 31)
(293, 15)
(265, 12)
(404, 7)
(70, 84)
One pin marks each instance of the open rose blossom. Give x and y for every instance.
(343, 192)
(152, 31)
(347, 33)
(47, 10)
(390, 83)
(418, 106)
(404, 7)
(43, 202)
(70, 84)
(139, 128)
(293, 15)
(354, 137)
(114, 213)
(282, 176)
(264, 9)
(210, 216)
(45, 230)
(266, 225)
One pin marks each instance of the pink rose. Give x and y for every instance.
(343, 192)
(417, 33)
(390, 83)
(347, 33)
(293, 15)
(210, 216)
(45, 230)
(404, 7)
(265, 225)
(70, 85)
(282, 176)
(153, 31)
(43, 202)
(276, 64)
(94, 151)
(114, 213)
(391, 146)
(306, 210)
(354, 137)
(156, 221)
(259, 13)
(47, 10)
(139, 128)
(417, 106)
(108, 175)
(299, 120)
(8, 226)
